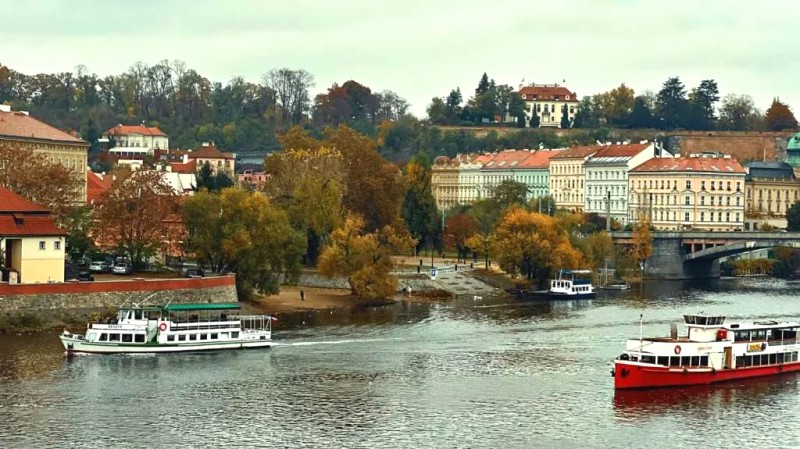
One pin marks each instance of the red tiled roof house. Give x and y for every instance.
(32, 245)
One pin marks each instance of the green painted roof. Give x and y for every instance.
(204, 306)
(794, 142)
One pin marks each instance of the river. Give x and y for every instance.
(490, 373)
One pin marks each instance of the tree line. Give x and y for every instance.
(672, 107)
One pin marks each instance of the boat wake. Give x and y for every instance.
(332, 342)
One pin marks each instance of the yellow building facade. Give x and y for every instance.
(771, 188)
(20, 128)
(688, 193)
(568, 177)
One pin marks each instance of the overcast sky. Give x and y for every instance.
(424, 48)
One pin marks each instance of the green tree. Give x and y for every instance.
(78, 224)
(419, 207)
(586, 116)
(641, 116)
(543, 205)
(671, 104)
(779, 117)
(701, 105)
(483, 85)
(565, 121)
(509, 193)
(793, 218)
(739, 113)
(437, 111)
(615, 105)
(452, 109)
(239, 231)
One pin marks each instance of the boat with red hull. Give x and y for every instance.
(711, 351)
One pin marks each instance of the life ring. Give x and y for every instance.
(162, 327)
(677, 349)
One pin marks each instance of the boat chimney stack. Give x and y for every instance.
(673, 331)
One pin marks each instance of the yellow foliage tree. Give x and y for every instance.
(533, 245)
(642, 241)
(365, 258)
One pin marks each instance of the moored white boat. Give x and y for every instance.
(712, 351)
(173, 328)
(572, 284)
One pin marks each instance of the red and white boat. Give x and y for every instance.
(712, 351)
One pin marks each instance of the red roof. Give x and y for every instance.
(16, 124)
(693, 164)
(209, 152)
(126, 130)
(189, 167)
(578, 152)
(507, 159)
(10, 202)
(539, 159)
(628, 150)
(96, 186)
(20, 217)
(548, 92)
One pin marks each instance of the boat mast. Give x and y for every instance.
(640, 331)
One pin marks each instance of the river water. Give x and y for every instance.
(490, 373)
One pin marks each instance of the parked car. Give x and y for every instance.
(194, 272)
(123, 268)
(100, 266)
(84, 275)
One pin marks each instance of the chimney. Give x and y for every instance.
(185, 158)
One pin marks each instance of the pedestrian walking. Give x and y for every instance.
(302, 295)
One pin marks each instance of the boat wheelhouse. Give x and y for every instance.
(711, 351)
(173, 328)
(572, 284)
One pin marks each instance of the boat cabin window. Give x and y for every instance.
(234, 334)
(741, 336)
(182, 337)
(192, 337)
(203, 336)
(127, 338)
(765, 359)
(103, 337)
(694, 360)
(170, 338)
(213, 336)
(113, 337)
(702, 320)
(138, 338)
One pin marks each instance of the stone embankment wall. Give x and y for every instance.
(743, 145)
(49, 303)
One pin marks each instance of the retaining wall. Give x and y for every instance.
(75, 300)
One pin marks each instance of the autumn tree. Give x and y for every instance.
(309, 184)
(508, 193)
(38, 179)
(458, 229)
(365, 258)
(241, 232)
(615, 105)
(543, 205)
(291, 94)
(132, 215)
(642, 242)
(532, 245)
(779, 117)
(213, 182)
(374, 187)
(600, 249)
(739, 113)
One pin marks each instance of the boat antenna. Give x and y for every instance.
(640, 331)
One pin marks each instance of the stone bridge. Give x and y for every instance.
(696, 254)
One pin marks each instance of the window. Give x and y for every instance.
(182, 337)
(686, 216)
(203, 336)
(103, 337)
(213, 337)
(42, 245)
(138, 338)
(127, 338)
(702, 216)
(703, 201)
(702, 185)
(57, 245)
(686, 202)
(688, 184)
(170, 338)
(192, 337)
(113, 337)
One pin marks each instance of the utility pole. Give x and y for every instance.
(608, 211)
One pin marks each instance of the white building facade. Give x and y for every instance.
(136, 141)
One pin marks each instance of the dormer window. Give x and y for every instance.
(567, 97)
(524, 96)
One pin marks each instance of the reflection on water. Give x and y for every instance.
(490, 373)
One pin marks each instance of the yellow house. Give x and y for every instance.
(20, 128)
(32, 245)
(770, 190)
(696, 192)
(568, 176)
(216, 159)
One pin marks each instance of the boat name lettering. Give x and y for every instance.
(114, 326)
(704, 348)
(755, 347)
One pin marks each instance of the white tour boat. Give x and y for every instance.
(173, 328)
(572, 284)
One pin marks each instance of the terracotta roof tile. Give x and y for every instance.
(209, 152)
(126, 130)
(189, 167)
(96, 186)
(10, 202)
(547, 92)
(693, 164)
(25, 225)
(21, 125)
(539, 159)
(578, 152)
(506, 159)
(628, 150)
